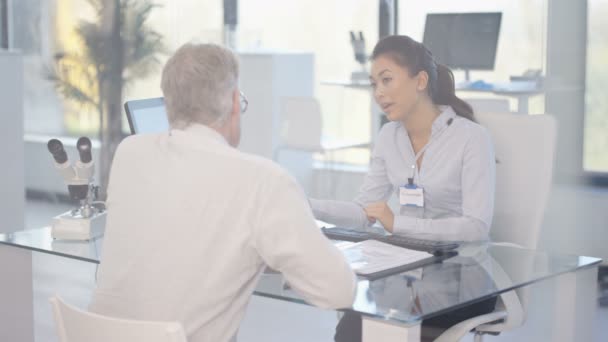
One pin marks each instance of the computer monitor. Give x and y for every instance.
(463, 40)
(147, 116)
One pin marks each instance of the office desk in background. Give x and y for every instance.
(520, 90)
(393, 307)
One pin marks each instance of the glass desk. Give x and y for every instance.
(391, 306)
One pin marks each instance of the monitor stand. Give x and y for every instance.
(467, 79)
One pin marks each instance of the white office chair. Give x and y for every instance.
(75, 325)
(525, 150)
(302, 130)
(489, 105)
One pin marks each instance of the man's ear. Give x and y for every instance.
(236, 102)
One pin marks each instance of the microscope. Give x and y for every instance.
(87, 220)
(360, 56)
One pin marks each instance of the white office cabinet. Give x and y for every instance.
(12, 190)
(265, 78)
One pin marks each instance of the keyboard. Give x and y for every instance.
(431, 246)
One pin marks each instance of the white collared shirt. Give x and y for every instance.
(192, 222)
(457, 174)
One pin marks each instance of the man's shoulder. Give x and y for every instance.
(140, 140)
(136, 145)
(260, 165)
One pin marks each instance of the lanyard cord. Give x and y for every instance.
(410, 180)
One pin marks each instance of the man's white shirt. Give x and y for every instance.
(192, 223)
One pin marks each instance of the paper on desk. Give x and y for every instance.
(323, 224)
(370, 256)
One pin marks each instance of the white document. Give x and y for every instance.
(321, 224)
(371, 256)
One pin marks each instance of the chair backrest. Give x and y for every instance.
(75, 325)
(301, 123)
(525, 150)
(489, 105)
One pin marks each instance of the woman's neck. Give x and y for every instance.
(420, 121)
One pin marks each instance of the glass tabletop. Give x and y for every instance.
(40, 240)
(478, 272)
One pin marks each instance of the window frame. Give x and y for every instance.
(593, 178)
(4, 24)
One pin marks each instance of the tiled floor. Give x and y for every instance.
(267, 320)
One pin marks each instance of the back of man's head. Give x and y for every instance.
(198, 83)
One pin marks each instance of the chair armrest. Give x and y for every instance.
(507, 244)
(508, 302)
(509, 311)
(458, 331)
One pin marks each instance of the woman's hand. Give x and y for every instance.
(381, 212)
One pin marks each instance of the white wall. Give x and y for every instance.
(576, 221)
(265, 78)
(12, 193)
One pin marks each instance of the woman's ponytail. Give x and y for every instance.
(445, 93)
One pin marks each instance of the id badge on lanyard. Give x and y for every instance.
(411, 195)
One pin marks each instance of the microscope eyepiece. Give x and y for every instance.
(56, 148)
(84, 149)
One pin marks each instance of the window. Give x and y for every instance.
(33, 36)
(47, 29)
(595, 158)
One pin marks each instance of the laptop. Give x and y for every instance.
(147, 116)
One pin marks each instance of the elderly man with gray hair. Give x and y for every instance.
(192, 221)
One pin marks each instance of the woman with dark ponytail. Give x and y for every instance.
(433, 156)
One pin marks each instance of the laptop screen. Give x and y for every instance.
(147, 116)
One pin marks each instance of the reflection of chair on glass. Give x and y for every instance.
(75, 325)
(525, 147)
(302, 130)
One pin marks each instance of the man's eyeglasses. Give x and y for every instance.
(243, 102)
